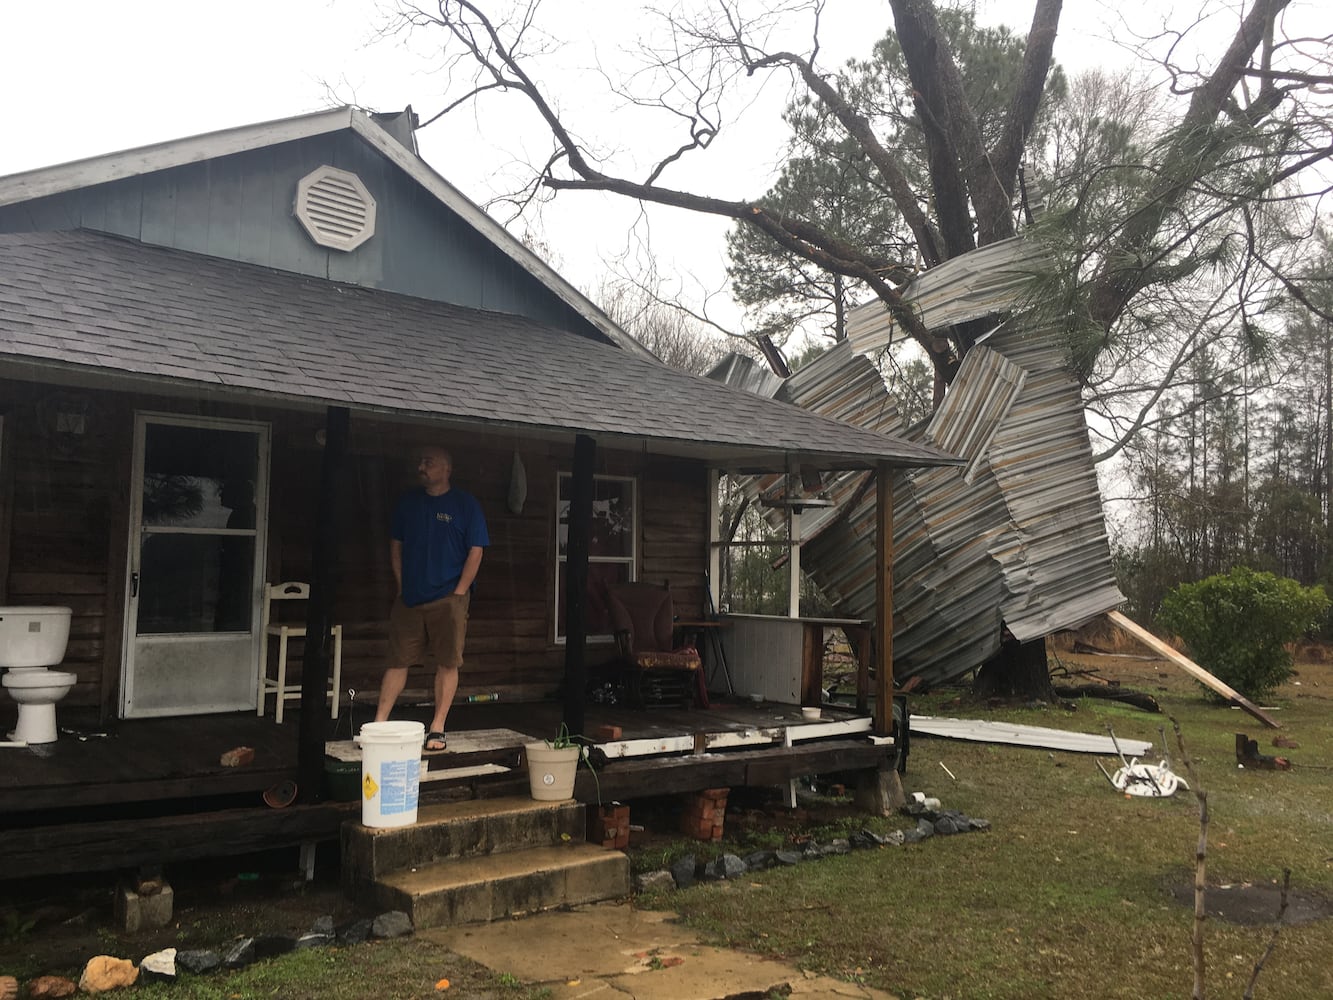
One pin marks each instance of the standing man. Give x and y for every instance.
(437, 539)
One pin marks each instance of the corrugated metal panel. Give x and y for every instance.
(984, 282)
(1027, 736)
(740, 372)
(1016, 536)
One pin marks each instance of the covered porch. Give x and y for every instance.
(106, 796)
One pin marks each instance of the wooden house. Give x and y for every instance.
(218, 358)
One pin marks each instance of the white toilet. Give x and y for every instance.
(31, 640)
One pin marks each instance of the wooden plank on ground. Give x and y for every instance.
(1190, 667)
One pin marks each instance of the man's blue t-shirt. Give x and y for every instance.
(437, 533)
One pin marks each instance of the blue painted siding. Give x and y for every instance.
(240, 208)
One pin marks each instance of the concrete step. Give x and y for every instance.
(456, 830)
(503, 885)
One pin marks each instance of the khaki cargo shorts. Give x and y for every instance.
(436, 627)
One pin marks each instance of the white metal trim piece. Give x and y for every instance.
(818, 730)
(981, 731)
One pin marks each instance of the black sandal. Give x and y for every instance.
(435, 738)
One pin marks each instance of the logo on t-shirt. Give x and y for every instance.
(446, 518)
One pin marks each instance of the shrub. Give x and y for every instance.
(1237, 625)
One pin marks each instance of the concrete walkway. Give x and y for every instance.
(611, 951)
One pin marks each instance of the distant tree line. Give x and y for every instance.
(1235, 466)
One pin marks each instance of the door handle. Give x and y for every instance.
(134, 584)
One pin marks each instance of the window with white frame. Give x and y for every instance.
(612, 546)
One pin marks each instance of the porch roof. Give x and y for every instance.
(82, 303)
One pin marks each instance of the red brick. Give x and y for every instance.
(609, 826)
(608, 732)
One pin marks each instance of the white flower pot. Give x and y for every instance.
(551, 772)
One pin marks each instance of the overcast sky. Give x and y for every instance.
(90, 76)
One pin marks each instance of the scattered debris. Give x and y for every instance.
(1108, 692)
(238, 757)
(1285, 743)
(1248, 755)
(947, 771)
(1192, 668)
(280, 795)
(1145, 780)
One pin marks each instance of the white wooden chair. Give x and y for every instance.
(278, 686)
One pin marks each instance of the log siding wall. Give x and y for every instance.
(66, 498)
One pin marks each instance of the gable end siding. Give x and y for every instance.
(239, 207)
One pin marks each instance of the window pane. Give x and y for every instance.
(199, 477)
(612, 530)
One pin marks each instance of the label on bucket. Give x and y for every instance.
(399, 783)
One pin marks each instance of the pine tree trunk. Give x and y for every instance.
(1018, 670)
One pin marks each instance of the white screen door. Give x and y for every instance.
(197, 528)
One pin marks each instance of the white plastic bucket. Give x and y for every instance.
(390, 772)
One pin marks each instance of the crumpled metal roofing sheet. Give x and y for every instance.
(1016, 535)
(990, 280)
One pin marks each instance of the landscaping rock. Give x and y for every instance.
(725, 867)
(160, 966)
(354, 932)
(198, 961)
(324, 925)
(862, 840)
(240, 954)
(312, 940)
(926, 828)
(839, 845)
(981, 825)
(650, 881)
(392, 924)
(51, 988)
(104, 973)
(788, 857)
(684, 870)
(270, 945)
(760, 860)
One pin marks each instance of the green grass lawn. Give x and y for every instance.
(1076, 891)
(1070, 893)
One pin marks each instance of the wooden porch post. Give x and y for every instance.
(883, 600)
(880, 791)
(319, 610)
(576, 583)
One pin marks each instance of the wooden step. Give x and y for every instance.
(497, 886)
(456, 830)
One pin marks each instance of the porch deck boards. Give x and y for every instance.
(144, 761)
(154, 791)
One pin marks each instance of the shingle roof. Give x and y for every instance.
(100, 302)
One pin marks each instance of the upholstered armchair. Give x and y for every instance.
(656, 670)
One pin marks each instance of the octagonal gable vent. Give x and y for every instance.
(334, 208)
